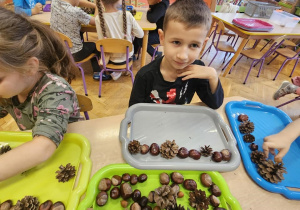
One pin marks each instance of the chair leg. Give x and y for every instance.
(249, 72)
(86, 115)
(290, 101)
(280, 69)
(206, 50)
(131, 73)
(261, 65)
(100, 83)
(294, 67)
(138, 53)
(265, 45)
(225, 57)
(87, 36)
(238, 60)
(83, 80)
(213, 57)
(272, 59)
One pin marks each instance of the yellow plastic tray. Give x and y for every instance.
(138, 15)
(40, 181)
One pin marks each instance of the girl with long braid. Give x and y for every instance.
(114, 23)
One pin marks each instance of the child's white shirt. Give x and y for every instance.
(114, 29)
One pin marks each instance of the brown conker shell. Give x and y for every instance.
(133, 179)
(215, 190)
(253, 146)
(125, 190)
(206, 180)
(195, 154)
(164, 178)
(190, 184)
(135, 206)
(6, 205)
(142, 178)
(243, 117)
(126, 177)
(44, 206)
(183, 152)
(58, 206)
(115, 193)
(145, 149)
(101, 198)
(136, 195)
(177, 177)
(217, 156)
(154, 149)
(226, 154)
(104, 184)
(214, 201)
(116, 180)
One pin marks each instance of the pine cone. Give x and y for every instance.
(169, 149)
(65, 173)
(27, 203)
(199, 200)
(270, 171)
(257, 156)
(134, 147)
(206, 151)
(249, 138)
(165, 196)
(176, 207)
(246, 127)
(4, 149)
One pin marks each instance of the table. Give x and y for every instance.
(144, 23)
(278, 31)
(103, 134)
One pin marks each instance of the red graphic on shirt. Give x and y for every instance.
(171, 97)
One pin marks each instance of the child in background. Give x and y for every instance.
(288, 88)
(175, 78)
(114, 23)
(32, 63)
(29, 7)
(282, 140)
(66, 18)
(155, 14)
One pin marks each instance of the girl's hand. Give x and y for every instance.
(198, 72)
(278, 142)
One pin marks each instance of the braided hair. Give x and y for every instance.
(100, 5)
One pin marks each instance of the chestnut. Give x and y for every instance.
(6, 205)
(215, 190)
(144, 149)
(195, 154)
(133, 179)
(58, 206)
(226, 154)
(104, 184)
(154, 149)
(164, 178)
(115, 193)
(177, 177)
(143, 201)
(101, 198)
(151, 197)
(219, 208)
(214, 201)
(180, 194)
(136, 195)
(142, 178)
(126, 177)
(253, 146)
(124, 203)
(217, 156)
(147, 208)
(135, 206)
(190, 184)
(243, 117)
(156, 208)
(44, 206)
(116, 180)
(206, 180)
(183, 152)
(125, 190)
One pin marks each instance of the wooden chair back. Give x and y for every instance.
(85, 104)
(220, 28)
(65, 38)
(111, 45)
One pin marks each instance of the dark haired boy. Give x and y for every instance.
(174, 78)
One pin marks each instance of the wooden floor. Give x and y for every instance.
(115, 94)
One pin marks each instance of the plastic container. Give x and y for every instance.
(258, 9)
(40, 181)
(250, 24)
(284, 19)
(191, 127)
(268, 120)
(226, 199)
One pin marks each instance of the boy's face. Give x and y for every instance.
(182, 46)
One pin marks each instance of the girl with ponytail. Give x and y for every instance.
(114, 23)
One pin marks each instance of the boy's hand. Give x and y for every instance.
(37, 9)
(276, 142)
(152, 2)
(198, 72)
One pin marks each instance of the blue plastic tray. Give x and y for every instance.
(267, 120)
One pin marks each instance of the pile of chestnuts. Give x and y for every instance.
(47, 205)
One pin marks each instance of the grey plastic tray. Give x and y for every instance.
(190, 126)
